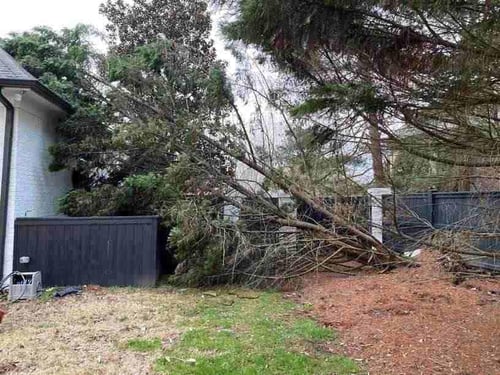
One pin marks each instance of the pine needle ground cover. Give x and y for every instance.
(162, 331)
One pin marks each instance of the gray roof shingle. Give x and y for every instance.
(10, 69)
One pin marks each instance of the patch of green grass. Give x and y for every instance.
(47, 295)
(229, 335)
(207, 340)
(140, 345)
(308, 329)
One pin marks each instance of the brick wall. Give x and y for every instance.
(33, 190)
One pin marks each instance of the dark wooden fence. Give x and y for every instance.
(108, 251)
(410, 219)
(357, 208)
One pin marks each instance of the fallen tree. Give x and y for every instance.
(174, 140)
(244, 255)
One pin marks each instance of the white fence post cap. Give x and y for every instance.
(379, 191)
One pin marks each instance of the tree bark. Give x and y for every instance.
(376, 151)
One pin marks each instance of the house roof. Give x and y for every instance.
(13, 75)
(11, 69)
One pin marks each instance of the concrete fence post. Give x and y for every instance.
(231, 213)
(377, 211)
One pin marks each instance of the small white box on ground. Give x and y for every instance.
(25, 285)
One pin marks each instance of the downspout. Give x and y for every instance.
(4, 190)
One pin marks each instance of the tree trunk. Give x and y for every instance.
(376, 151)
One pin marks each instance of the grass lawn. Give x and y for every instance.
(159, 331)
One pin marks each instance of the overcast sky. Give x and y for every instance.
(21, 15)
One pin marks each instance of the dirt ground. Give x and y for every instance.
(119, 331)
(88, 334)
(412, 321)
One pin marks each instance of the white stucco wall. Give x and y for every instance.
(33, 189)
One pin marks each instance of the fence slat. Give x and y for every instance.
(108, 251)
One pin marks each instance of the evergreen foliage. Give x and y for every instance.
(428, 65)
(60, 61)
(156, 129)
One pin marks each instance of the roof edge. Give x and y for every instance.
(41, 90)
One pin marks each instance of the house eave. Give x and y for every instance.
(39, 89)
